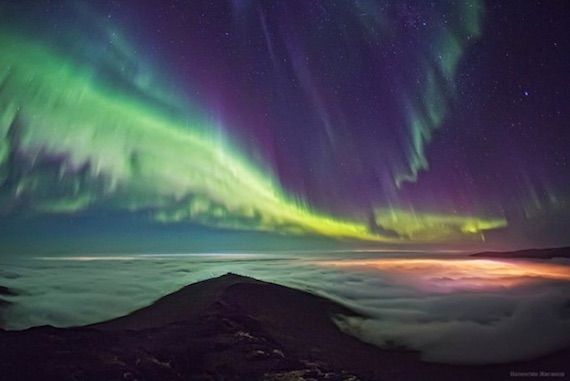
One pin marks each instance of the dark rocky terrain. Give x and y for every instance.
(228, 328)
(558, 252)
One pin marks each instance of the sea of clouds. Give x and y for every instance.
(470, 325)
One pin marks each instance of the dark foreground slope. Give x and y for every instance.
(227, 328)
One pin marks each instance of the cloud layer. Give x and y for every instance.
(480, 322)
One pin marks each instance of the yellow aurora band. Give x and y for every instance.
(70, 141)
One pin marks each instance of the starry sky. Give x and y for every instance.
(185, 125)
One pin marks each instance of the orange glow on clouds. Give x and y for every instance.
(449, 275)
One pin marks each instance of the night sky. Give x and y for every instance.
(386, 123)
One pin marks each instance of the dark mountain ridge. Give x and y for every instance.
(227, 328)
(548, 253)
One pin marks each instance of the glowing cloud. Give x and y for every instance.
(449, 275)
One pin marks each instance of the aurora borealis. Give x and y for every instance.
(384, 122)
(393, 158)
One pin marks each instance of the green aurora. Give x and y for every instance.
(440, 68)
(115, 149)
